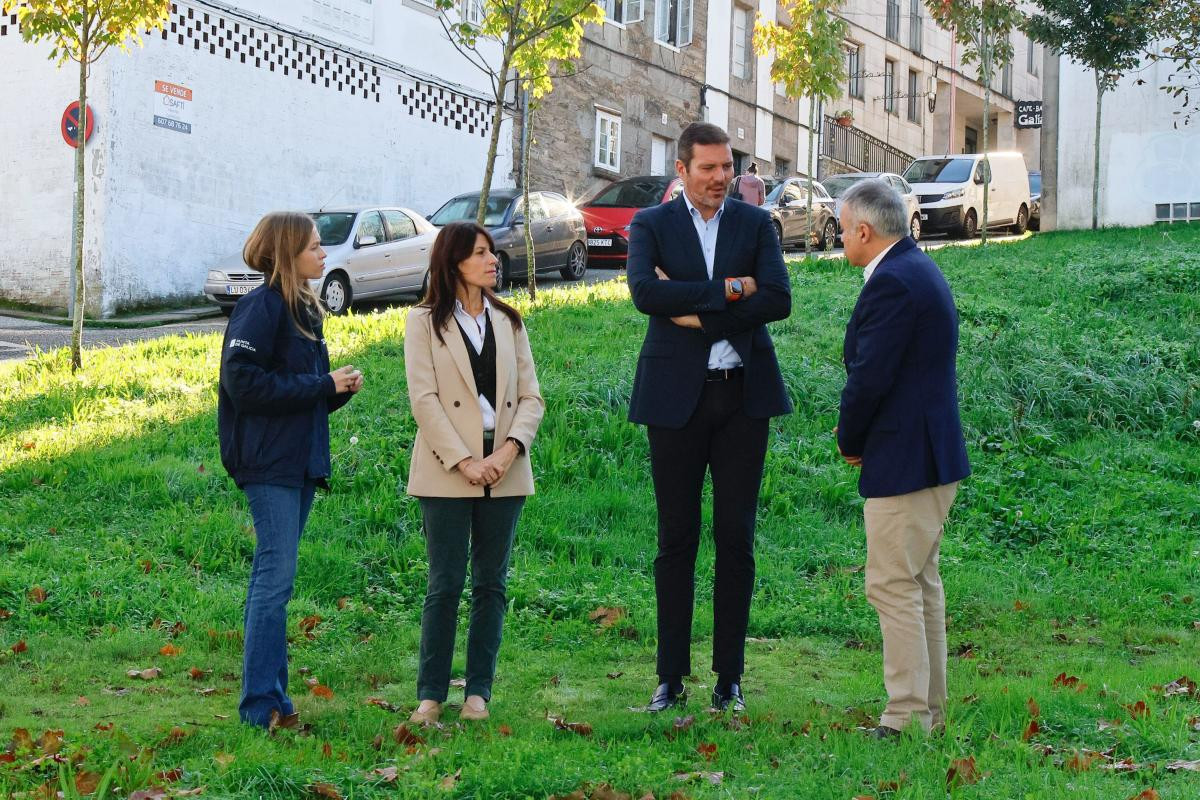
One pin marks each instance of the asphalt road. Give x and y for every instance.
(20, 338)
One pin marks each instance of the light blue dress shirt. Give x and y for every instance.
(722, 355)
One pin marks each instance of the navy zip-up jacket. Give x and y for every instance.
(275, 395)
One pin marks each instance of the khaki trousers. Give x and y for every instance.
(904, 534)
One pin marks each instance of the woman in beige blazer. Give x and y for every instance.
(475, 397)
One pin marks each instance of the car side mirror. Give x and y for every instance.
(366, 241)
(978, 180)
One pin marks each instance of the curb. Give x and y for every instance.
(141, 321)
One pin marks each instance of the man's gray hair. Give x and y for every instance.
(878, 205)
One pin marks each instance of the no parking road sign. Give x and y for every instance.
(69, 126)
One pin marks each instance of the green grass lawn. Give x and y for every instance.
(1072, 551)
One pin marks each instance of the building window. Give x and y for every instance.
(608, 140)
(623, 11)
(915, 25)
(742, 43)
(673, 22)
(1032, 66)
(889, 87)
(853, 70)
(1006, 80)
(893, 20)
(914, 97)
(472, 12)
(783, 167)
(1177, 212)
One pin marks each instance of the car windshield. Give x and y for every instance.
(838, 184)
(637, 193)
(1035, 183)
(940, 170)
(334, 228)
(466, 207)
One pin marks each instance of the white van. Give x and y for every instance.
(950, 190)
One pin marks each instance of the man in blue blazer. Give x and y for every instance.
(709, 274)
(899, 423)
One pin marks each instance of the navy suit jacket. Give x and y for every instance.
(899, 408)
(674, 360)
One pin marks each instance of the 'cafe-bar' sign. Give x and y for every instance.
(1029, 113)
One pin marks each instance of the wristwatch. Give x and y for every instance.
(733, 289)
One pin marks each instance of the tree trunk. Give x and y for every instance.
(808, 170)
(497, 116)
(986, 58)
(1096, 154)
(527, 141)
(78, 300)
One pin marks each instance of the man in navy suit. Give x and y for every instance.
(899, 423)
(709, 274)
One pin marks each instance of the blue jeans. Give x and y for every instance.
(279, 515)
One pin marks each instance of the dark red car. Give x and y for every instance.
(606, 216)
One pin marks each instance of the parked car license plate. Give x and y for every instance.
(924, 218)
(599, 242)
(244, 288)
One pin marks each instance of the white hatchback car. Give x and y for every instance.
(370, 252)
(838, 184)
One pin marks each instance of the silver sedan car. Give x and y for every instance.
(838, 184)
(370, 252)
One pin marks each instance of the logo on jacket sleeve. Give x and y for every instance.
(243, 344)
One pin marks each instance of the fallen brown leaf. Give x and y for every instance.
(147, 565)
(224, 759)
(1137, 710)
(322, 691)
(714, 778)
(309, 624)
(169, 776)
(1180, 686)
(1105, 724)
(450, 781)
(169, 650)
(342, 603)
(962, 771)
(385, 774)
(19, 647)
(82, 701)
(404, 736)
(505, 730)
(1031, 730)
(1124, 765)
(1082, 760)
(50, 742)
(175, 736)
(379, 702)
(607, 617)
(606, 792)
(5, 614)
(1020, 606)
(581, 728)
(1183, 766)
(1035, 710)
(612, 676)
(36, 595)
(325, 790)
(1147, 794)
(708, 750)
(197, 674)
(87, 782)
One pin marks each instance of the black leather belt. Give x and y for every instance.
(725, 374)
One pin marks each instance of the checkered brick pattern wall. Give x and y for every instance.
(259, 47)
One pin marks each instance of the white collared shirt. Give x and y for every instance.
(721, 355)
(870, 270)
(476, 328)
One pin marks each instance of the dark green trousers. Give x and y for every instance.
(458, 530)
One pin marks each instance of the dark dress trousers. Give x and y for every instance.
(899, 409)
(695, 424)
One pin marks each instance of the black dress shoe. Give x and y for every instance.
(665, 696)
(729, 698)
(884, 732)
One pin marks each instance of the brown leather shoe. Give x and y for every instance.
(427, 716)
(285, 721)
(474, 709)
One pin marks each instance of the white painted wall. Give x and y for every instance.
(36, 172)
(168, 204)
(718, 52)
(1143, 160)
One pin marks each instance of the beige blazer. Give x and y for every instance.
(445, 403)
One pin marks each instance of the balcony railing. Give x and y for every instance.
(861, 151)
